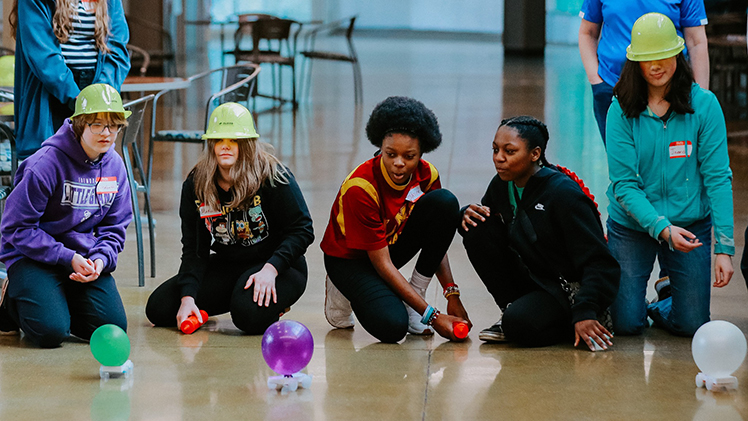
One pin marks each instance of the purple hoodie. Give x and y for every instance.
(63, 203)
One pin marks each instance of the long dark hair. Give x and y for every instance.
(632, 93)
(535, 134)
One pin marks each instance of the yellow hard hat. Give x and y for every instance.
(231, 121)
(99, 98)
(7, 70)
(653, 37)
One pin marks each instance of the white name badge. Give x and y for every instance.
(106, 185)
(681, 149)
(414, 194)
(206, 212)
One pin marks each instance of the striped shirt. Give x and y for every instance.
(80, 51)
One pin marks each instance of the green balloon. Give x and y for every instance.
(110, 345)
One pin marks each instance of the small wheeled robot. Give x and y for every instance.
(114, 372)
(291, 382)
(716, 384)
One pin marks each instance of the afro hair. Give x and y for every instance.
(399, 114)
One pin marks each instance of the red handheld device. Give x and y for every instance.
(191, 323)
(460, 330)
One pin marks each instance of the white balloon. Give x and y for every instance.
(718, 348)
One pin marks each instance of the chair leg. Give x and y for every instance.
(280, 84)
(151, 229)
(309, 79)
(293, 86)
(136, 216)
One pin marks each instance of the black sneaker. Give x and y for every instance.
(494, 333)
(7, 325)
(662, 287)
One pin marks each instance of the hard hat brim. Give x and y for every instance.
(125, 112)
(655, 55)
(229, 136)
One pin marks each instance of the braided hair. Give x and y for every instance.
(535, 135)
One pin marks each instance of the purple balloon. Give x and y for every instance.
(287, 346)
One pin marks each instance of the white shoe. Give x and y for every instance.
(415, 327)
(338, 311)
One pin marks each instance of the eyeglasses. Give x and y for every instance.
(98, 128)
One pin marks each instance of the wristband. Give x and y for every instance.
(432, 319)
(450, 290)
(449, 285)
(428, 314)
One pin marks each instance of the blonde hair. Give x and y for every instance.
(254, 166)
(62, 21)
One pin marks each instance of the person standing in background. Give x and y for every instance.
(62, 46)
(605, 32)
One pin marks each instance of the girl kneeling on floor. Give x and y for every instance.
(245, 228)
(535, 239)
(64, 226)
(388, 209)
(670, 184)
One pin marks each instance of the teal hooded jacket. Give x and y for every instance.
(671, 172)
(41, 73)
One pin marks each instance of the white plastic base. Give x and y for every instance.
(716, 384)
(109, 372)
(290, 383)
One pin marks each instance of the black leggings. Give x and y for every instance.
(535, 317)
(430, 230)
(222, 290)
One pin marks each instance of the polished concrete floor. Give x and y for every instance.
(219, 374)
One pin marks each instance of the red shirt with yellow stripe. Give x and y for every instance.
(370, 210)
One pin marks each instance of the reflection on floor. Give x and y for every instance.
(217, 373)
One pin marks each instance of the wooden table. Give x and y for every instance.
(152, 83)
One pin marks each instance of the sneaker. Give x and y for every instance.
(662, 287)
(338, 311)
(7, 325)
(415, 327)
(494, 333)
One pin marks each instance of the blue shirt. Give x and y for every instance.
(617, 17)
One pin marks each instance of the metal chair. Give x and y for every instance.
(7, 176)
(236, 85)
(311, 53)
(274, 43)
(139, 181)
(139, 60)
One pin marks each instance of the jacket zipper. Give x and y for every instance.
(664, 165)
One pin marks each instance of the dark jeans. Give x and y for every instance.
(60, 111)
(48, 306)
(222, 291)
(602, 96)
(535, 317)
(690, 280)
(430, 230)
